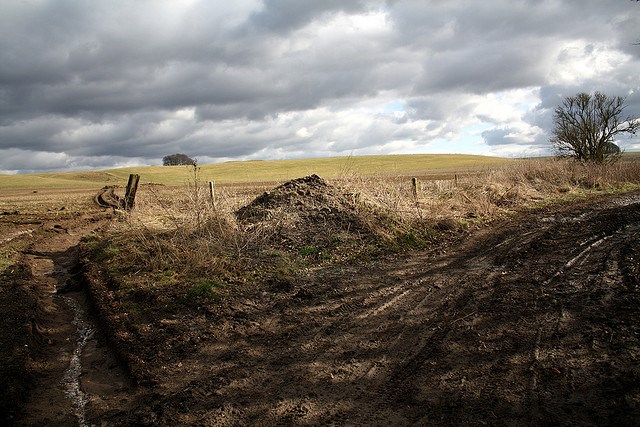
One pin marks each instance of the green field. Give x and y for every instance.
(260, 171)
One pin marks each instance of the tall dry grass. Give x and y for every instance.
(190, 232)
(186, 229)
(495, 190)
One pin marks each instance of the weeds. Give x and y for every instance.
(204, 289)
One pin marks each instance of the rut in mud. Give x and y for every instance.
(70, 372)
(532, 321)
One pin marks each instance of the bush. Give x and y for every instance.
(178, 159)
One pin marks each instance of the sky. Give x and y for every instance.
(103, 84)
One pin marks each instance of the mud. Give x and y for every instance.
(107, 198)
(528, 321)
(63, 355)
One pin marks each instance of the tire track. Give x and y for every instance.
(487, 332)
(76, 377)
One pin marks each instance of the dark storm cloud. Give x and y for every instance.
(503, 136)
(482, 69)
(283, 16)
(89, 84)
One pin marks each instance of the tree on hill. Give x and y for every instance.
(585, 126)
(177, 159)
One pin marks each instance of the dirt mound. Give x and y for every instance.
(311, 213)
(311, 197)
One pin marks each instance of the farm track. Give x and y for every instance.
(532, 321)
(72, 373)
(529, 322)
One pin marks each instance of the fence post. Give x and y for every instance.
(130, 194)
(212, 192)
(414, 187)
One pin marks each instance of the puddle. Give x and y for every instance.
(627, 200)
(71, 379)
(94, 383)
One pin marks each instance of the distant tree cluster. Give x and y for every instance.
(177, 160)
(585, 126)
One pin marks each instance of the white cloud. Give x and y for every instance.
(582, 60)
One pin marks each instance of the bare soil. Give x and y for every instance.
(531, 320)
(56, 366)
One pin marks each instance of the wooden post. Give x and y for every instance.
(212, 192)
(455, 178)
(414, 187)
(130, 194)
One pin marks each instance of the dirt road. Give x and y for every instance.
(52, 344)
(532, 321)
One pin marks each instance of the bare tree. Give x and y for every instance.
(585, 126)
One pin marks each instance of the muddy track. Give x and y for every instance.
(72, 375)
(107, 198)
(529, 322)
(533, 321)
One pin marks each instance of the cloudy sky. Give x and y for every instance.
(100, 84)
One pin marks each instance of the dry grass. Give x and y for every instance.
(494, 191)
(178, 237)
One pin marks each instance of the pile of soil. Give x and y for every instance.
(311, 213)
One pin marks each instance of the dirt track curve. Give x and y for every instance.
(531, 321)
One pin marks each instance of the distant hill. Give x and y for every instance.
(261, 171)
